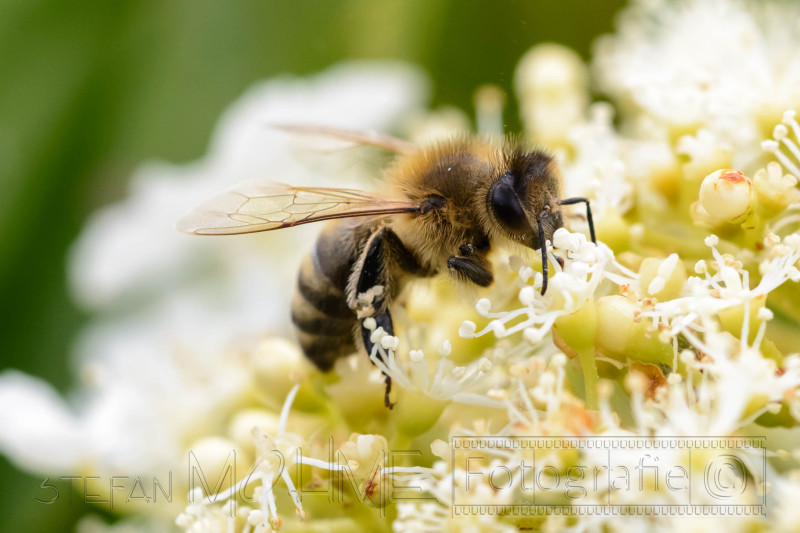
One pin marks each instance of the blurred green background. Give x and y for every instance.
(88, 90)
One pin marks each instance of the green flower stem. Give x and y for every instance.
(578, 331)
(590, 377)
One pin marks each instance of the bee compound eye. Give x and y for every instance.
(504, 203)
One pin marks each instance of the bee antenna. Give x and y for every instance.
(543, 244)
(578, 200)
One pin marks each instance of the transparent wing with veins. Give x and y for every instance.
(377, 140)
(254, 206)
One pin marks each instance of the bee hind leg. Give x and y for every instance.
(383, 320)
(386, 401)
(369, 292)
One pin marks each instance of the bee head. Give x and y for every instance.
(528, 187)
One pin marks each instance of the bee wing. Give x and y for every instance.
(254, 206)
(366, 138)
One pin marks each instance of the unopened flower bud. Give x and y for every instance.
(727, 195)
(551, 85)
(613, 229)
(621, 336)
(244, 421)
(577, 330)
(615, 323)
(277, 365)
(215, 454)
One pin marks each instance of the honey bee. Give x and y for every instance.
(444, 208)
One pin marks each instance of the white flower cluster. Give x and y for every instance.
(570, 287)
(725, 66)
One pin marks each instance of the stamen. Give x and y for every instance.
(773, 147)
(287, 406)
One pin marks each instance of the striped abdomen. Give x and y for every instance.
(323, 321)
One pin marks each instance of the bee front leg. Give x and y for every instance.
(469, 266)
